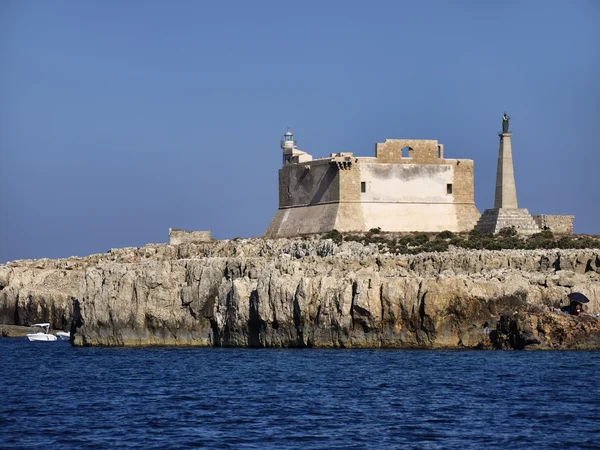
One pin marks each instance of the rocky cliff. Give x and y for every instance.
(309, 293)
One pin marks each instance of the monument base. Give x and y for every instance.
(493, 220)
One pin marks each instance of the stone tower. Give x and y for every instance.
(506, 212)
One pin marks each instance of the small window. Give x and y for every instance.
(363, 186)
(448, 189)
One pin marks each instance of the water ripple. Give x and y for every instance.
(149, 398)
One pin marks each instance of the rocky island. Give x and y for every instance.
(305, 284)
(309, 292)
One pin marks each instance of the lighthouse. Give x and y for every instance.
(291, 153)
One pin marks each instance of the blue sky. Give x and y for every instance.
(119, 120)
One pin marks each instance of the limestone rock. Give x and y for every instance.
(308, 293)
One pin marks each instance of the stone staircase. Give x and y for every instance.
(493, 220)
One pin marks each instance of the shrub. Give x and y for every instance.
(446, 235)
(375, 230)
(373, 239)
(468, 244)
(401, 250)
(354, 237)
(485, 241)
(535, 244)
(334, 235)
(435, 246)
(566, 242)
(491, 244)
(512, 242)
(456, 242)
(588, 242)
(476, 234)
(543, 235)
(508, 231)
(545, 239)
(406, 241)
(571, 242)
(420, 239)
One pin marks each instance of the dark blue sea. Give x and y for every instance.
(55, 396)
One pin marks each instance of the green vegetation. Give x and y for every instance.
(508, 231)
(334, 235)
(446, 235)
(421, 239)
(506, 239)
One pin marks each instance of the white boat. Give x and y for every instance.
(63, 335)
(41, 335)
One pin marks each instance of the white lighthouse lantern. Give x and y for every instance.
(291, 153)
(288, 142)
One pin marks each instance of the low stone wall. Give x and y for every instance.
(556, 224)
(177, 237)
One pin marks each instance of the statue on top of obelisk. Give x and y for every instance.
(505, 119)
(506, 211)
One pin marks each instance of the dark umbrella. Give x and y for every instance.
(578, 297)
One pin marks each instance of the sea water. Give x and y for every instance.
(55, 396)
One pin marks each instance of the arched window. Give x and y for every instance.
(407, 152)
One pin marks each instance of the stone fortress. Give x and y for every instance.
(409, 186)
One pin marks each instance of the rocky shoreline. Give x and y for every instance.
(309, 292)
(15, 331)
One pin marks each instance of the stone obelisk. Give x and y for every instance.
(506, 191)
(506, 211)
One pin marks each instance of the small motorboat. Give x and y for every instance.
(63, 335)
(41, 335)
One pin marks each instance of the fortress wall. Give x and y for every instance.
(350, 217)
(406, 182)
(556, 224)
(414, 197)
(464, 180)
(432, 217)
(303, 220)
(177, 237)
(464, 194)
(350, 183)
(310, 183)
(467, 216)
